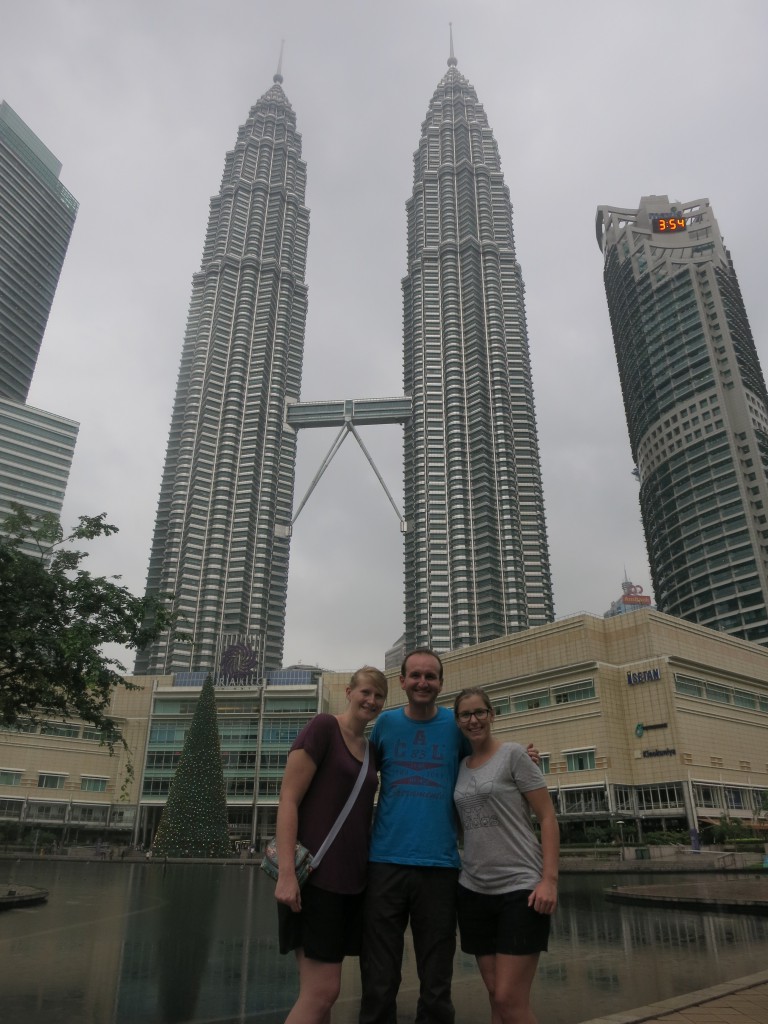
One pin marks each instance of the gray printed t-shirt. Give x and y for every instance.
(501, 851)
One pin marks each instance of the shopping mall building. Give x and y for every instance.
(643, 721)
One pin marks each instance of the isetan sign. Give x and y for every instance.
(649, 676)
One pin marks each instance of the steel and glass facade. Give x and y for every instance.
(37, 215)
(257, 726)
(60, 773)
(476, 555)
(223, 523)
(36, 450)
(697, 412)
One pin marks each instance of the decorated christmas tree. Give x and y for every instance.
(194, 822)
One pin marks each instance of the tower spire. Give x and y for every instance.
(452, 62)
(278, 76)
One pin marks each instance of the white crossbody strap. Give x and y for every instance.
(344, 811)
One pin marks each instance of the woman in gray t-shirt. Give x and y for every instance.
(508, 883)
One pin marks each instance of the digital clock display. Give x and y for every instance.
(667, 224)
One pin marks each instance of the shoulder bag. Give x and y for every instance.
(306, 862)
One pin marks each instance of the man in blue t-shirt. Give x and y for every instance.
(414, 863)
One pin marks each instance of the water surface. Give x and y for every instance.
(196, 944)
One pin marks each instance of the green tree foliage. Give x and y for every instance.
(194, 821)
(54, 620)
(725, 830)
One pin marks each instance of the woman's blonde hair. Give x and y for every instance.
(375, 677)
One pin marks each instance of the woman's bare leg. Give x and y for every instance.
(319, 986)
(509, 980)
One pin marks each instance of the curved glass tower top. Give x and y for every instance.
(697, 411)
(476, 556)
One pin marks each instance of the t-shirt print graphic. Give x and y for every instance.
(476, 811)
(423, 765)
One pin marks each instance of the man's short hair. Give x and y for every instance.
(422, 650)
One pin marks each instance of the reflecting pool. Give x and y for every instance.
(129, 943)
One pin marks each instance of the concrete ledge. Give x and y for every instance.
(677, 1003)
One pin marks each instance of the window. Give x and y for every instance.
(652, 798)
(705, 796)
(59, 729)
(623, 797)
(156, 787)
(583, 801)
(167, 732)
(291, 704)
(736, 799)
(580, 760)
(690, 687)
(240, 787)
(273, 759)
(20, 727)
(46, 812)
(544, 764)
(123, 815)
(163, 759)
(49, 781)
(8, 777)
(97, 815)
(583, 690)
(90, 784)
(744, 699)
(531, 701)
(93, 734)
(718, 693)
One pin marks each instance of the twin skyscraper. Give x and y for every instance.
(476, 555)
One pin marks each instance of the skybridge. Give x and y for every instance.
(347, 414)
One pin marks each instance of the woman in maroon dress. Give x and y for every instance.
(322, 922)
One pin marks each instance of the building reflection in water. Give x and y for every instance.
(123, 944)
(184, 934)
(213, 951)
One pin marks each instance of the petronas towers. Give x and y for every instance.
(476, 560)
(476, 557)
(228, 481)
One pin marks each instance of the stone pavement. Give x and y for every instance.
(741, 1001)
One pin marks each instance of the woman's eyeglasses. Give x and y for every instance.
(480, 714)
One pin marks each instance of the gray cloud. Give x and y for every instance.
(596, 102)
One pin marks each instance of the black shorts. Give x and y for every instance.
(328, 927)
(502, 923)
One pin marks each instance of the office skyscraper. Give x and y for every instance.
(697, 411)
(37, 215)
(222, 531)
(476, 556)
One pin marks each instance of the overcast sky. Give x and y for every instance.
(591, 102)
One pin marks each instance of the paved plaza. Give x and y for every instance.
(742, 1001)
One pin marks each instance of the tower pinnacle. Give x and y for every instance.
(278, 76)
(452, 62)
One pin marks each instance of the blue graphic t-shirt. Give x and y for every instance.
(415, 820)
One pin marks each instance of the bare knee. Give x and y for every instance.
(319, 987)
(322, 992)
(511, 1006)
